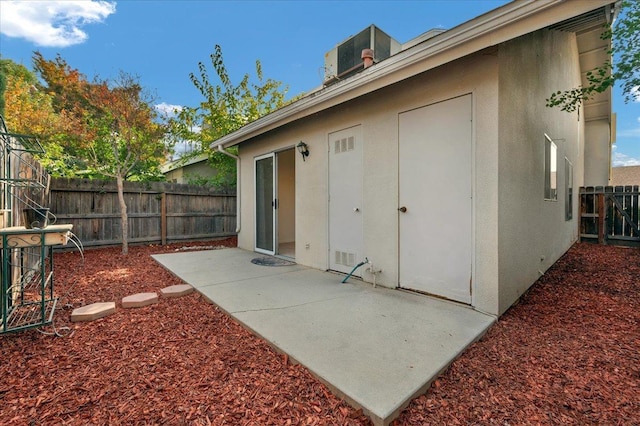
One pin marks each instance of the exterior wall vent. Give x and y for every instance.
(344, 145)
(345, 258)
(346, 58)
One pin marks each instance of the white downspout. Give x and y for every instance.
(221, 149)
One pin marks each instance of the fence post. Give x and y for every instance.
(581, 207)
(601, 218)
(163, 218)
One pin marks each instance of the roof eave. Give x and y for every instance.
(180, 163)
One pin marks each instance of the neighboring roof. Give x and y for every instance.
(180, 162)
(629, 175)
(497, 26)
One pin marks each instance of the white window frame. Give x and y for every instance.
(568, 189)
(550, 169)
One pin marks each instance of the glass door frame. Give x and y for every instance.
(274, 227)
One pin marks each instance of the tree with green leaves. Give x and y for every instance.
(226, 108)
(625, 70)
(3, 86)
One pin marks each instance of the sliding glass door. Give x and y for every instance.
(265, 168)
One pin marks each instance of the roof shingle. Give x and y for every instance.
(629, 175)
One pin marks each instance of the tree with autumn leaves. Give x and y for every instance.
(126, 138)
(110, 128)
(103, 129)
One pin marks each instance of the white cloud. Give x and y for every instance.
(620, 159)
(52, 23)
(168, 109)
(184, 147)
(635, 94)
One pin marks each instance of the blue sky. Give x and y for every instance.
(163, 41)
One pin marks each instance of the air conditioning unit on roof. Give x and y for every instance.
(345, 58)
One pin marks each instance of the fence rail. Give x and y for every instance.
(610, 214)
(159, 212)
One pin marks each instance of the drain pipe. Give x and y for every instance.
(221, 149)
(364, 262)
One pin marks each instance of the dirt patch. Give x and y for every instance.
(567, 353)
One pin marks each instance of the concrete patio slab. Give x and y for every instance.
(376, 347)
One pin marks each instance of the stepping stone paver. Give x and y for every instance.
(93, 311)
(176, 290)
(139, 300)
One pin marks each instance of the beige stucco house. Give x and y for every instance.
(183, 171)
(440, 164)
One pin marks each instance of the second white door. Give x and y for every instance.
(435, 204)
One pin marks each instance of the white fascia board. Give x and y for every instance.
(497, 26)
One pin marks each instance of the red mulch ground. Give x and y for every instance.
(568, 353)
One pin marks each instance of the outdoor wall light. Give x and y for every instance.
(303, 150)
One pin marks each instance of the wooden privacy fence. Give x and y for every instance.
(159, 212)
(610, 214)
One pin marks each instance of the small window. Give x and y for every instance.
(550, 169)
(568, 189)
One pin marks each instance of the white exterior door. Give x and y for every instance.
(345, 199)
(435, 199)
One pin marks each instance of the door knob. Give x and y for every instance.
(402, 209)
